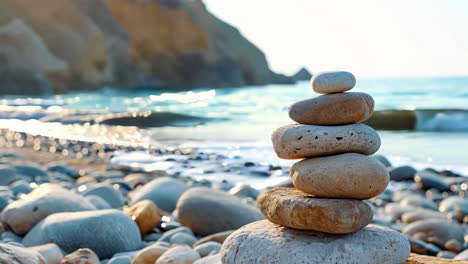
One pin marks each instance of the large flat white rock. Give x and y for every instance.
(265, 242)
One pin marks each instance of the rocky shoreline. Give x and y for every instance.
(58, 198)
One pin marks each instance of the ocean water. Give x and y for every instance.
(240, 120)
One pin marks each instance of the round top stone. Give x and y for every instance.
(332, 82)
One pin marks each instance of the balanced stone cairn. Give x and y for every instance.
(323, 220)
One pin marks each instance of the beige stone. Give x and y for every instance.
(332, 82)
(145, 214)
(333, 109)
(419, 259)
(12, 254)
(178, 255)
(295, 209)
(265, 242)
(82, 255)
(453, 245)
(414, 215)
(149, 254)
(348, 175)
(307, 141)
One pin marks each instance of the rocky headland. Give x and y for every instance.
(56, 46)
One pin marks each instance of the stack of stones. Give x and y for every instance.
(323, 219)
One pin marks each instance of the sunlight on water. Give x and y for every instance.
(248, 115)
(188, 97)
(85, 132)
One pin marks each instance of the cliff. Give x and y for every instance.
(53, 46)
(302, 75)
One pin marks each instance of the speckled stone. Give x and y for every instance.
(333, 109)
(348, 175)
(307, 141)
(265, 242)
(292, 208)
(332, 82)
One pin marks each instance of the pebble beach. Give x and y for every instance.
(71, 201)
(224, 132)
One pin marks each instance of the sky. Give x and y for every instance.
(384, 38)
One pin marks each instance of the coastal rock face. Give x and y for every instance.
(27, 57)
(45, 200)
(307, 141)
(206, 211)
(106, 232)
(333, 109)
(332, 82)
(265, 242)
(302, 75)
(348, 175)
(164, 192)
(295, 209)
(125, 44)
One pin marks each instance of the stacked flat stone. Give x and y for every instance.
(324, 216)
(335, 169)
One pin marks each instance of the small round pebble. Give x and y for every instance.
(208, 248)
(149, 254)
(332, 82)
(183, 239)
(178, 255)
